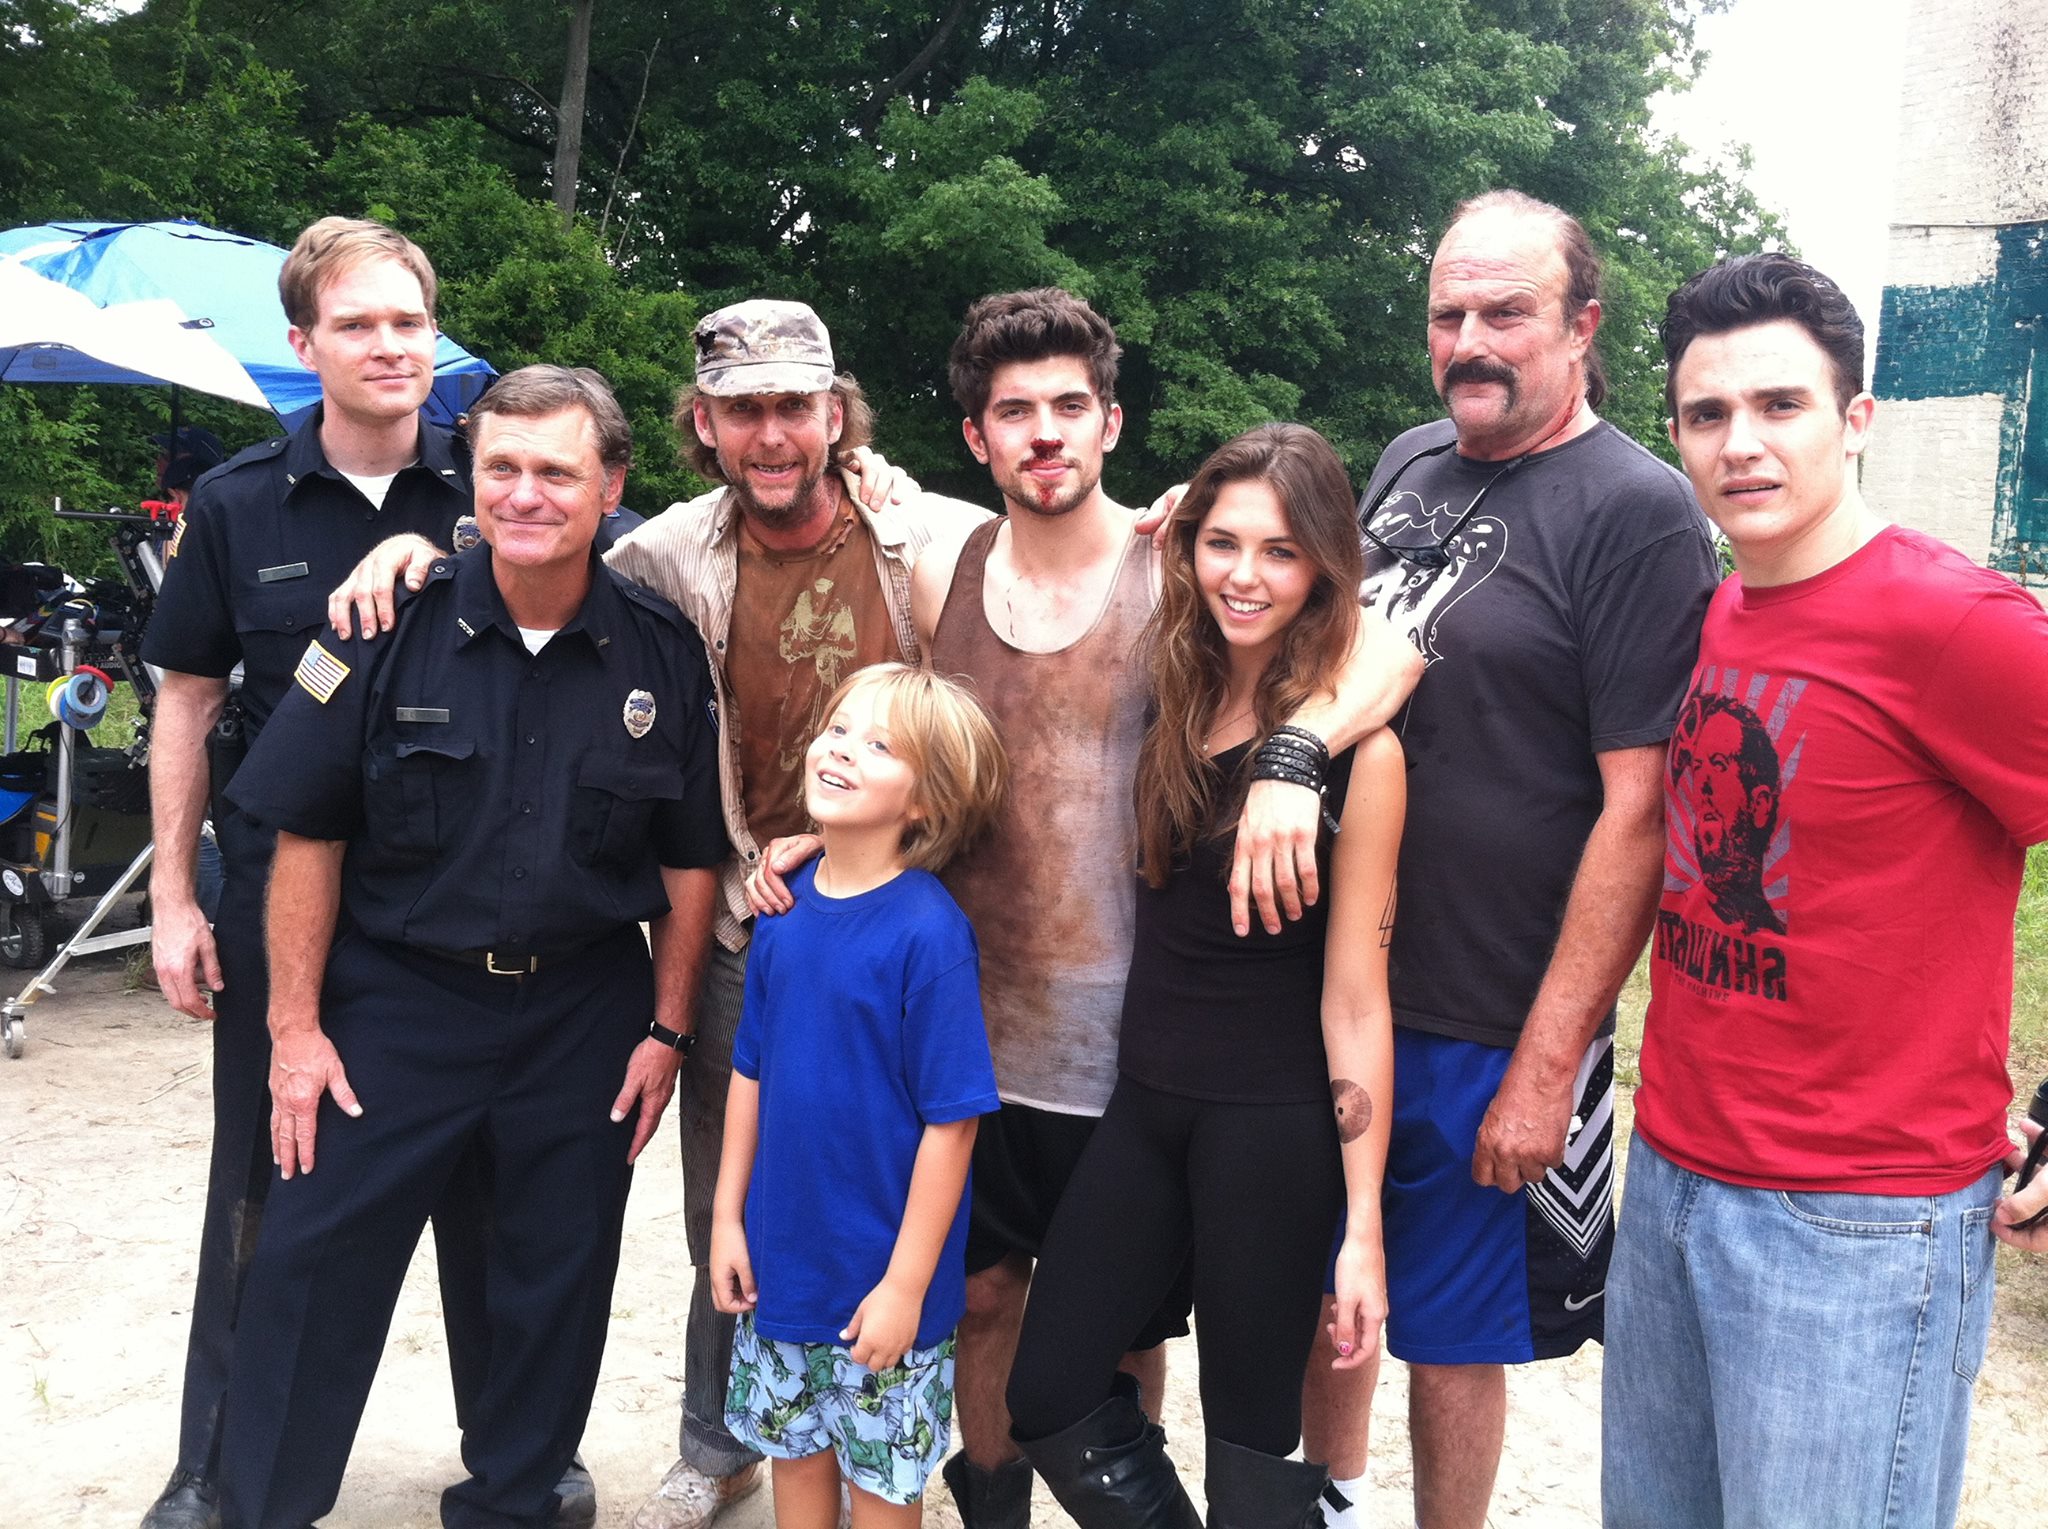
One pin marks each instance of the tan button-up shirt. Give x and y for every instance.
(688, 554)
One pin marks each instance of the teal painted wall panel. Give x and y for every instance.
(1986, 337)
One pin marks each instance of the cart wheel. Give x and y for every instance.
(11, 1035)
(24, 937)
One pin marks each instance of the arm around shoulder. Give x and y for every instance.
(1381, 673)
(931, 580)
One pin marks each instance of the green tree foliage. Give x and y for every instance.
(1249, 188)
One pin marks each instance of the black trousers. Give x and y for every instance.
(240, 1172)
(443, 1058)
(1254, 1191)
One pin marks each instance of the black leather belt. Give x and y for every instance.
(505, 962)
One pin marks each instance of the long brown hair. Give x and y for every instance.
(1179, 788)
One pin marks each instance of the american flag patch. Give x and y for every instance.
(320, 673)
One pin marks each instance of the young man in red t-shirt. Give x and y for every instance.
(1801, 1287)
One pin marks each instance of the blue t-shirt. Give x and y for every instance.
(862, 1025)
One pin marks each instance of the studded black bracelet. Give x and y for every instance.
(1288, 731)
(1294, 775)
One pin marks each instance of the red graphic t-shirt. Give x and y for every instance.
(1855, 775)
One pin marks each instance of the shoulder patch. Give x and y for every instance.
(320, 673)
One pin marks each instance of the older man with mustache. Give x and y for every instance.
(1554, 574)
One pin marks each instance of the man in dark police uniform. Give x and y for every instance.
(262, 541)
(474, 816)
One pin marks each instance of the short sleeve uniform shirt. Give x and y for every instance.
(493, 798)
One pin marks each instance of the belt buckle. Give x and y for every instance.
(525, 969)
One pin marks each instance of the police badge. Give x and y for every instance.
(467, 533)
(639, 713)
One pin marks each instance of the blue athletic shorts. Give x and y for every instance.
(1475, 1276)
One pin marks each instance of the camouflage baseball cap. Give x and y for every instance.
(763, 346)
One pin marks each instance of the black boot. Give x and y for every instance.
(1111, 1471)
(997, 1499)
(1248, 1490)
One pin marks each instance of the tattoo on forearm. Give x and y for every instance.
(1387, 917)
(1354, 1109)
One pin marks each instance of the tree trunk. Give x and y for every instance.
(569, 124)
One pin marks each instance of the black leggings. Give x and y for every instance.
(1255, 1190)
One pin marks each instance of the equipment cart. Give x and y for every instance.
(79, 820)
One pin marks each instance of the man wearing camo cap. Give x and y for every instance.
(795, 584)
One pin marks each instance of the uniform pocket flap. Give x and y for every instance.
(295, 609)
(444, 748)
(630, 780)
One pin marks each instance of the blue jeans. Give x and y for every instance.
(1790, 1360)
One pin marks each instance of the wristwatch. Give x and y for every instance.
(675, 1040)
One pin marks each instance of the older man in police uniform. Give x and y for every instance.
(474, 815)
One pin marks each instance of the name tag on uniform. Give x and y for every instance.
(423, 714)
(282, 571)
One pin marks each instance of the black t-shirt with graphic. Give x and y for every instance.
(1563, 624)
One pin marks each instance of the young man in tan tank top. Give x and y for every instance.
(1042, 611)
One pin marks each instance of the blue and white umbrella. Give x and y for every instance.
(171, 302)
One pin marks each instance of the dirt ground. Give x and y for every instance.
(103, 1143)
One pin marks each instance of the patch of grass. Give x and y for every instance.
(1628, 1025)
(2030, 978)
(2023, 1278)
(39, 1385)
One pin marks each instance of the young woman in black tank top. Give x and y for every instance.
(1221, 1139)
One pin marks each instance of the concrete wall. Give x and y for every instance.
(1961, 448)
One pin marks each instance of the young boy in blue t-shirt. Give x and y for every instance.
(860, 1069)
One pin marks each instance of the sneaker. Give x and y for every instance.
(689, 1499)
(185, 1503)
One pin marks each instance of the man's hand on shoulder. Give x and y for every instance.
(767, 892)
(876, 481)
(370, 592)
(1153, 518)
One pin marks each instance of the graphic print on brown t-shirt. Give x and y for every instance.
(829, 617)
